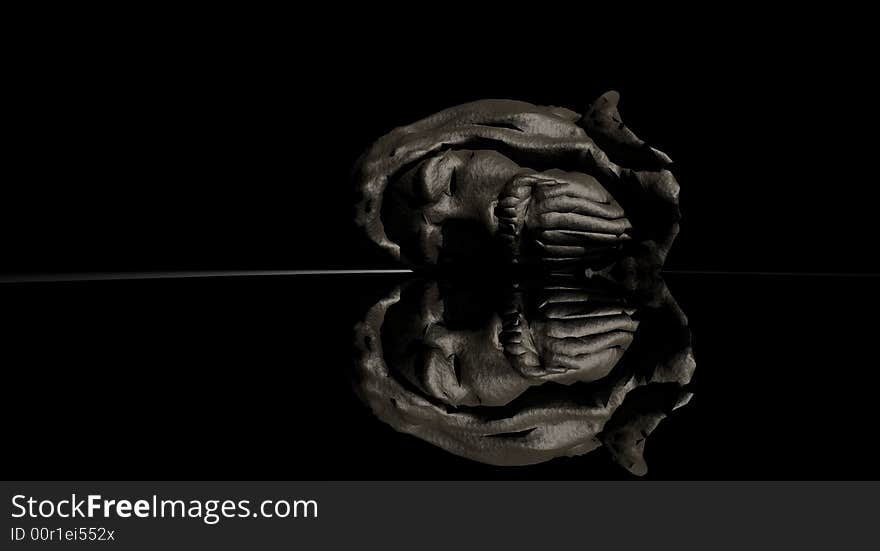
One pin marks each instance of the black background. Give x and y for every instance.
(216, 146)
(209, 146)
(248, 378)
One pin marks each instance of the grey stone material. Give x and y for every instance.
(524, 182)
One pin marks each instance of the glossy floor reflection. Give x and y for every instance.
(250, 378)
(521, 373)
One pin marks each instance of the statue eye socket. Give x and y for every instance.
(456, 367)
(453, 184)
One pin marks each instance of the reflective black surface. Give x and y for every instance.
(520, 372)
(138, 154)
(249, 378)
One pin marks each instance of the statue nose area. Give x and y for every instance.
(441, 209)
(480, 206)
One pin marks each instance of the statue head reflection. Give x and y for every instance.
(523, 372)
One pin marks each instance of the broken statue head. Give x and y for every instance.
(508, 181)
